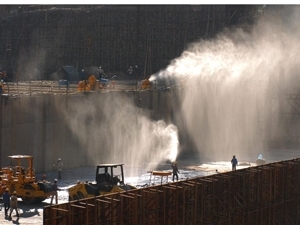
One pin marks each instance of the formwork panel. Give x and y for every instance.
(173, 204)
(210, 213)
(78, 214)
(56, 215)
(130, 209)
(152, 206)
(278, 185)
(224, 189)
(108, 210)
(190, 194)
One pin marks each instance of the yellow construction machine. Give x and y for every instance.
(92, 84)
(109, 179)
(22, 180)
(88, 85)
(146, 84)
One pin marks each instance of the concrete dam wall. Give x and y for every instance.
(83, 129)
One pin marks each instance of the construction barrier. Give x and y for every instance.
(266, 194)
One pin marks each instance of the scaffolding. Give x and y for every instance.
(48, 37)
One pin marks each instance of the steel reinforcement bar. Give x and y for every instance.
(266, 194)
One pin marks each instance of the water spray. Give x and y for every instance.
(228, 81)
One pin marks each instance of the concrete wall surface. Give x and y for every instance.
(79, 129)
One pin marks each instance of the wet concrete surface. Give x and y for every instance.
(189, 166)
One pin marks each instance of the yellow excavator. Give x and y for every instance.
(22, 180)
(109, 179)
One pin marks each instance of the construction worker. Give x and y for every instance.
(101, 72)
(44, 178)
(14, 204)
(234, 162)
(59, 168)
(54, 192)
(6, 201)
(130, 73)
(175, 170)
(140, 103)
(82, 75)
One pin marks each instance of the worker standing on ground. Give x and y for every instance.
(82, 75)
(101, 72)
(6, 201)
(175, 170)
(54, 192)
(14, 204)
(44, 178)
(234, 162)
(59, 168)
(130, 73)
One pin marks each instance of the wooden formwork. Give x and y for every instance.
(267, 194)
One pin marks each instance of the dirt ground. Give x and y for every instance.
(189, 166)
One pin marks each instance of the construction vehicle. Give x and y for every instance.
(107, 83)
(92, 84)
(23, 181)
(109, 179)
(88, 85)
(146, 84)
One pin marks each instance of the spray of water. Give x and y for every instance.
(229, 82)
(111, 129)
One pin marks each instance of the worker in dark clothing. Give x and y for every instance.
(82, 75)
(6, 201)
(101, 72)
(44, 178)
(54, 192)
(130, 73)
(234, 162)
(175, 170)
(59, 168)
